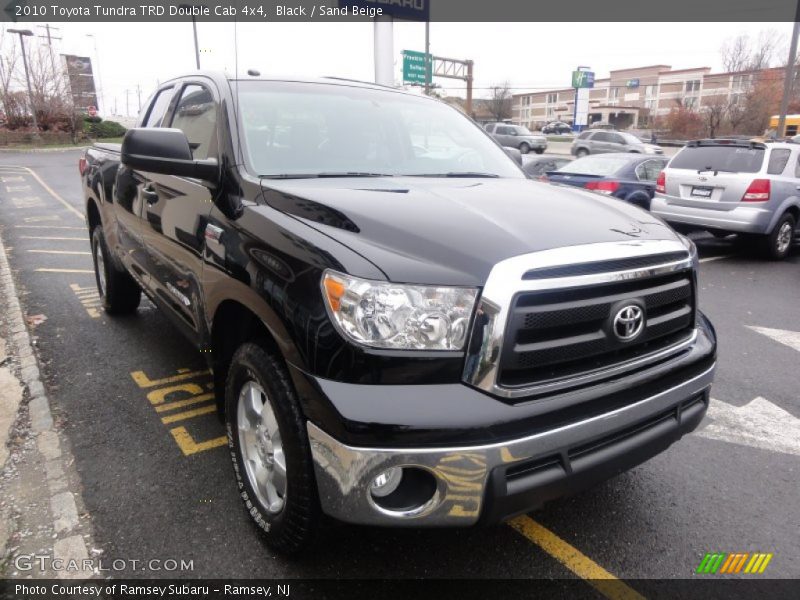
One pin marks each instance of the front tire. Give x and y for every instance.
(539, 150)
(118, 291)
(524, 148)
(778, 242)
(581, 152)
(270, 450)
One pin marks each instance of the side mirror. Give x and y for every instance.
(515, 154)
(166, 151)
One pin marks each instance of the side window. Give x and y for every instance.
(777, 161)
(585, 135)
(158, 107)
(503, 130)
(196, 115)
(649, 170)
(797, 167)
(601, 136)
(615, 138)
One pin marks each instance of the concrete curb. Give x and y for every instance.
(68, 543)
(12, 150)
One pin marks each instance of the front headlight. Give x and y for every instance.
(399, 317)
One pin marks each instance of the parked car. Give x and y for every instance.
(597, 141)
(557, 127)
(629, 177)
(400, 334)
(734, 186)
(536, 166)
(516, 136)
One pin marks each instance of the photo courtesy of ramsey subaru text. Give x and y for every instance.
(404, 330)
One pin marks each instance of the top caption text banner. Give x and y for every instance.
(434, 10)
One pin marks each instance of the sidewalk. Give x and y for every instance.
(41, 510)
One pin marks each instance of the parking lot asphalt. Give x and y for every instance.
(132, 398)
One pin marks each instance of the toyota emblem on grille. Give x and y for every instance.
(628, 322)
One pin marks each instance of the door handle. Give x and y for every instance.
(150, 195)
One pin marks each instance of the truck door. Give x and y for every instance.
(176, 214)
(130, 197)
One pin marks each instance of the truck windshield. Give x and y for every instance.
(315, 129)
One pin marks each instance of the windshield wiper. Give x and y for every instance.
(323, 175)
(456, 174)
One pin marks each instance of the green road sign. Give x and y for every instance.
(582, 79)
(414, 66)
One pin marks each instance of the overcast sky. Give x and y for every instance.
(528, 55)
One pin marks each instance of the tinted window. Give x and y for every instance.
(196, 116)
(503, 131)
(719, 158)
(595, 165)
(158, 108)
(584, 135)
(307, 129)
(615, 138)
(649, 169)
(601, 136)
(777, 161)
(797, 167)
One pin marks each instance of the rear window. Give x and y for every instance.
(734, 159)
(595, 165)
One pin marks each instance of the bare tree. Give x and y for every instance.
(714, 111)
(8, 66)
(735, 53)
(499, 103)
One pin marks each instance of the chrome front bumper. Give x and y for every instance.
(463, 474)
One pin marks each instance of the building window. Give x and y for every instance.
(741, 82)
(690, 103)
(692, 86)
(650, 91)
(552, 98)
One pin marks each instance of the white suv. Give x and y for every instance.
(734, 186)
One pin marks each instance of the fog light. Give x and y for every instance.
(386, 482)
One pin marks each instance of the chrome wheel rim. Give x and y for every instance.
(261, 447)
(784, 237)
(101, 269)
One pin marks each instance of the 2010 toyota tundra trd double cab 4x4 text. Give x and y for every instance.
(403, 330)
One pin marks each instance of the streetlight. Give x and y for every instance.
(99, 78)
(190, 9)
(23, 33)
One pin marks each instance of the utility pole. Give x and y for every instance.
(100, 91)
(190, 9)
(139, 96)
(427, 58)
(127, 103)
(468, 103)
(788, 81)
(23, 33)
(47, 27)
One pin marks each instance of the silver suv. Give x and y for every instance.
(515, 136)
(734, 186)
(594, 141)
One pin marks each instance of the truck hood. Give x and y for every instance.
(453, 231)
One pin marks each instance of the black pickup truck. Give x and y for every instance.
(403, 330)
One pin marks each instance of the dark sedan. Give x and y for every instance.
(629, 177)
(536, 166)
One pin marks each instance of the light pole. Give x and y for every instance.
(190, 9)
(99, 78)
(23, 33)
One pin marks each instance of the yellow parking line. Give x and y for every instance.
(572, 558)
(71, 239)
(64, 271)
(182, 403)
(145, 382)
(188, 446)
(59, 252)
(189, 414)
(53, 194)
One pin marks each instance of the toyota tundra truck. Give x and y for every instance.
(403, 329)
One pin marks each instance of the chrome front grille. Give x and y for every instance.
(557, 334)
(545, 320)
